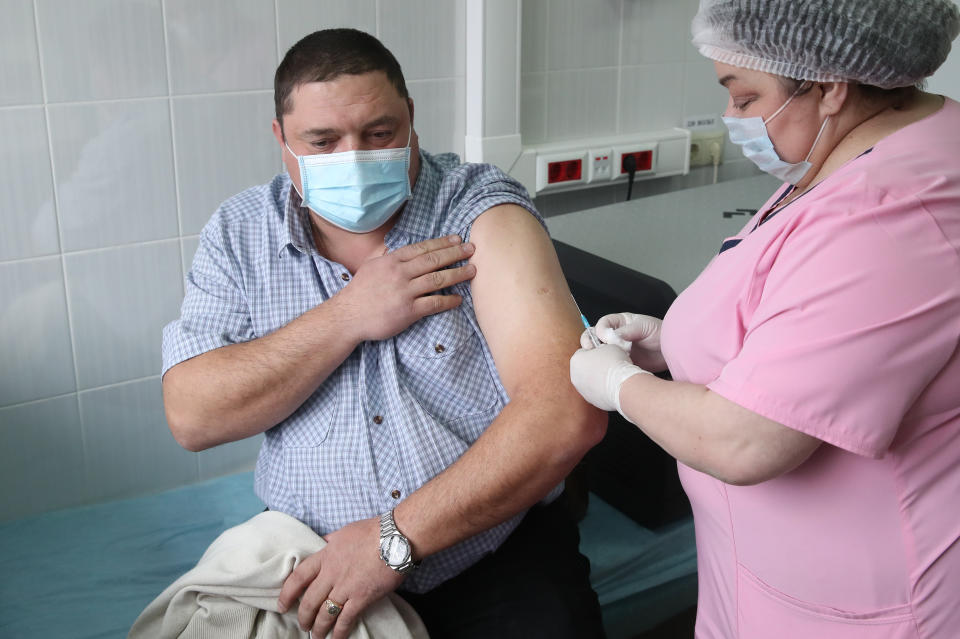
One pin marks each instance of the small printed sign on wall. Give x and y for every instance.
(696, 122)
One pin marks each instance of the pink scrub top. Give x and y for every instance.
(838, 316)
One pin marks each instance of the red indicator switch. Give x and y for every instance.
(644, 161)
(564, 171)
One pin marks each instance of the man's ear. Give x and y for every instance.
(833, 95)
(410, 108)
(278, 131)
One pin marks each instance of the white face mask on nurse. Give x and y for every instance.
(756, 100)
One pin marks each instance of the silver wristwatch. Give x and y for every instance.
(395, 549)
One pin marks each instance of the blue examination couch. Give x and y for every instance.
(88, 572)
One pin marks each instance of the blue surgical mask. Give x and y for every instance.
(357, 191)
(751, 135)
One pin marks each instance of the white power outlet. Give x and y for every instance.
(600, 162)
(705, 146)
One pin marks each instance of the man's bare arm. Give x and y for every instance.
(531, 324)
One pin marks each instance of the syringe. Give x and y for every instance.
(583, 318)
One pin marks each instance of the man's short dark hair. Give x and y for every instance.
(326, 55)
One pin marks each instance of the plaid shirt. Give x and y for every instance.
(396, 412)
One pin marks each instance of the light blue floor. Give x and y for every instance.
(88, 572)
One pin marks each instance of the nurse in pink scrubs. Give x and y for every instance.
(815, 403)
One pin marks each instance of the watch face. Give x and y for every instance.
(394, 549)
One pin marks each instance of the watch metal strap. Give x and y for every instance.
(389, 527)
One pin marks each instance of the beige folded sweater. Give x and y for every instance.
(232, 592)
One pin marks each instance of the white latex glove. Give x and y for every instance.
(586, 338)
(598, 373)
(636, 334)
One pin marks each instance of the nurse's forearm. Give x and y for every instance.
(712, 434)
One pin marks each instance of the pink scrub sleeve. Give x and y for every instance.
(840, 343)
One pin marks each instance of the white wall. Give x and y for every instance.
(607, 67)
(946, 81)
(596, 68)
(124, 124)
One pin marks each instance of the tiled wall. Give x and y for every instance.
(124, 124)
(605, 67)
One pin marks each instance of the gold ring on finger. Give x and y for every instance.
(333, 608)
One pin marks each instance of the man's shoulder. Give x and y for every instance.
(250, 206)
(466, 190)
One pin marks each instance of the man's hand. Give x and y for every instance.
(348, 571)
(390, 292)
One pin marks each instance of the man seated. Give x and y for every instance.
(399, 327)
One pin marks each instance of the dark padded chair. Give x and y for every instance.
(626, 469)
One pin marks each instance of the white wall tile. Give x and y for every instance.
(692, 53)
(36, 356)
(702, 94)
(436, 118)
(28, 218)
(102, 49)
(221, 45)
(19, 63)
(583, 35)
(533, 38)
(946, 81)
(227, 459)
(130, 449)
(41, 457)
(223, 145)
(655, 31)
(651, 97)
(297, 18)
(500, 90)
(533, 107)
(120, 300)
(426, 37)
(582, 103)
(114, 172)
(647, 58)
(188, 248)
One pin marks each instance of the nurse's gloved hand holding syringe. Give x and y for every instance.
(598, 373)
(599, 379)
(630, 345)
(639, 335)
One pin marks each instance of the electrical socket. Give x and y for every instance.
(703, 146)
